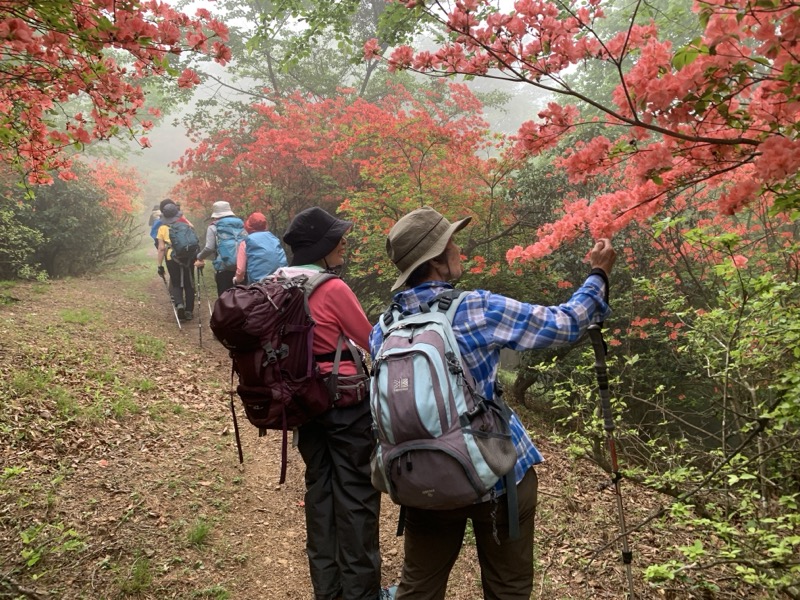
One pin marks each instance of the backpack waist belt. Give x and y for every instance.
(331, 356)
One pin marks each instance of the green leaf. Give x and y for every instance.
(685, 56)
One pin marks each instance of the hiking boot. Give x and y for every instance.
(188, 315)
(387, 593)
(181, 312)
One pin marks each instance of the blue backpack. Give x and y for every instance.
(230, 231)
(265, 255)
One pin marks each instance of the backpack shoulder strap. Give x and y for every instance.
(448, 302)
(392, 313)
(311, 283)
(316, 280)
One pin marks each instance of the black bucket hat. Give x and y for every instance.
(313, 234)
(170, 214)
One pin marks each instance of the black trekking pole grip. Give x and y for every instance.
(601, 370)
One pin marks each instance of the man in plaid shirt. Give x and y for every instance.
(420, 245)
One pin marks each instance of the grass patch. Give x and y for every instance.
(11, 473)
(198, 533)
(117, 404)
(147, 345)
(138, 579)
(216, 592)
(105, 375)
(33, 380)
(144, 385)
(161, 410)
(67, 406)
(79, 316)
(124, 405)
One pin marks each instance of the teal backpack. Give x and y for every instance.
(184, 243)
(230, 231)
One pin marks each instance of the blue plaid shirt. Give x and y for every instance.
(486, 322)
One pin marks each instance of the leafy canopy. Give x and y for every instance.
(721, 109)
(97, 51)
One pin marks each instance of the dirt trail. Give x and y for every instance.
(132, 449)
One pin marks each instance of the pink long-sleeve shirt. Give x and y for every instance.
(241, 262)
(336, 310)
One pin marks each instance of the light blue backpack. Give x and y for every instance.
(230, 231)
(441, 445)
(265, 255)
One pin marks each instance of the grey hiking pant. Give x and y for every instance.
(342, 507)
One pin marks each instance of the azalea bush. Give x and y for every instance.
(70, 227)
(73, 73)
(720, 111)
(373, 162)
(706, 381)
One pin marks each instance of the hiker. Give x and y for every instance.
(341, 506)
(157, 222)
(260, 254)
(180, 272)
(155, 215)
(421, 247)
(222, 240)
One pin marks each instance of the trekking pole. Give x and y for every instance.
(599, 346)
(197, 302)
(171, 301)
(208, 298)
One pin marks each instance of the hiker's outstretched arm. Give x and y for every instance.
(211, 243)
(503, 322)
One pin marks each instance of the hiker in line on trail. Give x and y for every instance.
(341, 506)
(421, 247)
(155, 215)
(154, 226)
(260, 254)
(181, 279)
(222, 240)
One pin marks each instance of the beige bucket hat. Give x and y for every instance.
(419, 236)
(221, 209)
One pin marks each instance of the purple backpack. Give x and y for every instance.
(268, 329)
(441, 445)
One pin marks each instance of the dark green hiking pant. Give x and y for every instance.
(433, 540)
(342, 507)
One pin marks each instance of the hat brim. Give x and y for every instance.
(321, 248)
(171, 220)
(227, 213)
(433, 252)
